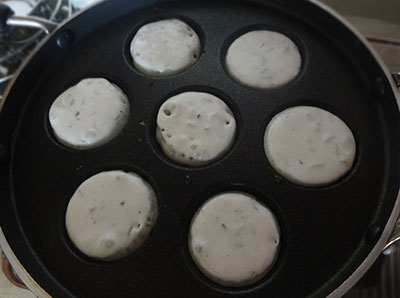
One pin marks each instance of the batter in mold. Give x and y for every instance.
(263, 59)
(165, 47)
(111, 215)
(309, 146)
(195, 128)
(234, 239)
(89, 114)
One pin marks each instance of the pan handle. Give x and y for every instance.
(8, 19)
(394, 240)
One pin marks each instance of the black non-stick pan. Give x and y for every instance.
(330, 235)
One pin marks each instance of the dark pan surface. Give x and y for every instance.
(326, 232)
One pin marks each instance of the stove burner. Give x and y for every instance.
(18, 42)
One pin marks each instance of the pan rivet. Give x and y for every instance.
(4, 153)
(373, 233)
(178, 245)
(278, 179)
(65, 39)
(378, 86)
(188, 180)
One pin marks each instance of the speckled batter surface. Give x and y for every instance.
(195, 128)
(309, 146)
(165, 47)
(111, 214)
(89, 114)
(263, 59)
(234, 239)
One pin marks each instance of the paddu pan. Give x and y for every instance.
(327, 233)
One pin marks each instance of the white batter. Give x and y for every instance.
(263, 59)
(89, 114)
(309, 146)
(111, 214)
(195, 128)
(165, 47)
(234, 239)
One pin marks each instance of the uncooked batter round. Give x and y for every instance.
(309, 146)
(165, 47)
(263, 59)
(89, 114)
(111, 214)
(234, 239)
(195, 128)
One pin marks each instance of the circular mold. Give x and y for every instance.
(318, 148)
(195, 128)
(300, 46)
(263, 59)
(127, 48)
(203, 89)
(58, 132)
(233, 232)
(265, 200)
(111, 215)
(342, 115)
(87, 174)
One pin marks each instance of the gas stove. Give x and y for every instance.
(16, 44)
